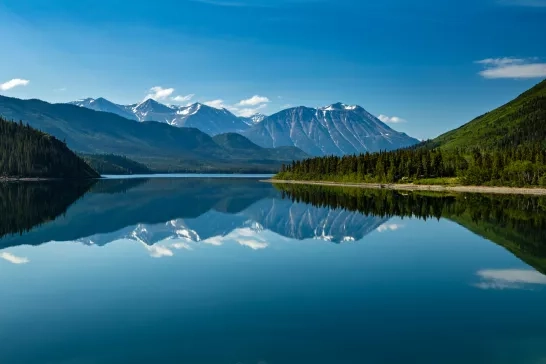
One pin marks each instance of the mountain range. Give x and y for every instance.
(162, 147)
(208, 119)
(336, 129)
(200, 138)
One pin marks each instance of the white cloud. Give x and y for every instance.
(159, 93)
(182, 98)
(13, 259)
(253, 101)
(246, 112)
(13, 83)
(391, 119)
(158, 251)
(389, 227)
(218, 104)
(509, 67)
(529, 3)
(509, 278)
(253, 244)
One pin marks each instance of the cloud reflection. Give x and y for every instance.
(13, 258)
(509, 279)
(389, 227)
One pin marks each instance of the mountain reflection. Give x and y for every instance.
(171, 214)
(515, 222)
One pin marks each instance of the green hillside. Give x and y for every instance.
(521, 121)
(29, 153)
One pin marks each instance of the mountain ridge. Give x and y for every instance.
(334, 129)
(337, 129)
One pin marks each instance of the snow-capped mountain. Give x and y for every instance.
(254, 119)
(205, 118)
(335, 129)
(101, 104)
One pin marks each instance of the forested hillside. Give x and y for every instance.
(29, 153)
(114, 164)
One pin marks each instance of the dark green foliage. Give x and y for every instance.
(522, 166)
(114, 164)
(25, 205)
(29, 153)
(517, 223)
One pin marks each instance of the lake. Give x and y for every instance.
(236, 271)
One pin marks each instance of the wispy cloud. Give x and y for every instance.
(528, 3)
(242, 108)
(510, 67)
(158, 93)
(391, 119)
(246, 112)
(509, 278)
(218, 104)
(14, 259)
(389, 227)
(253, 101)
(13, 83)
(182, 98)
(223, 3)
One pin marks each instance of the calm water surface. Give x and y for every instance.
(214, 270)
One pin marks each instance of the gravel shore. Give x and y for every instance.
(435, 188)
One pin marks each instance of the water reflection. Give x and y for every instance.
(517, 223)
(165, 215)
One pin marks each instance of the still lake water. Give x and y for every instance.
(213, 270)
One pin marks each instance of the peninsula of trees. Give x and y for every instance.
(506, 147)
(29, 153)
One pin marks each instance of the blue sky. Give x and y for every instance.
(416, 61)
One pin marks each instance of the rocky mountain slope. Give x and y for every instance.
(337, 129)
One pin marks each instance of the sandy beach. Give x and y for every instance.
(435, 188)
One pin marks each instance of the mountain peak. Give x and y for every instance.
(151, 105)
(339, 106)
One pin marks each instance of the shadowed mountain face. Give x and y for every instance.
(193, 211)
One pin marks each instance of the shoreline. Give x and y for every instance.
(434, 188)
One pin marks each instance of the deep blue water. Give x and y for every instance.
(229, 271)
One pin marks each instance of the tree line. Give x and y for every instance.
(524, 165)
